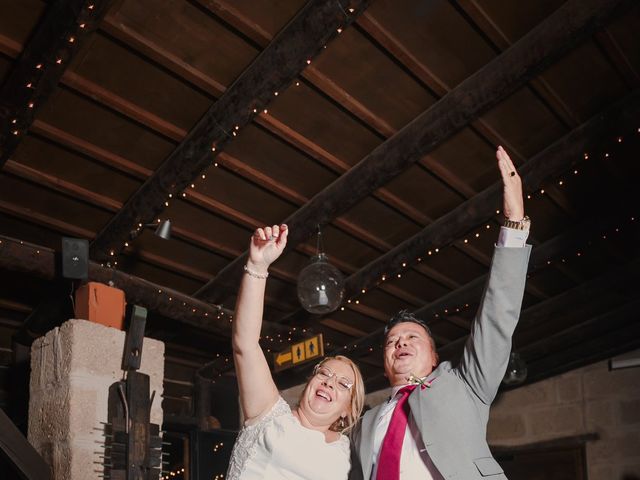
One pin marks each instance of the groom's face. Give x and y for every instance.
(408, 350)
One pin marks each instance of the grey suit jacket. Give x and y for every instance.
(452, 414)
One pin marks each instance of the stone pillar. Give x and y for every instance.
(72, 368)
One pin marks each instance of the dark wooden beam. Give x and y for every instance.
(18, 451)
(272, 71)
(552, 161)
(570, 24)
(114, 25)
(33, 78)
(621, 280)
(40, 262)
(581, 333)
(616, 333)
(386, 40)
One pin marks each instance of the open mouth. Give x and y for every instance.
(402, 354)
(324, 395)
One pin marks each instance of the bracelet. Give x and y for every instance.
(255, 274)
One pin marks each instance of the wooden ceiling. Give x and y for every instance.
(377, 120)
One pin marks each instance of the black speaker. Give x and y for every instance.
(75, 258)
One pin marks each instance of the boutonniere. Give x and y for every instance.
(419, 381)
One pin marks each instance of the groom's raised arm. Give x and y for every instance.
(487, 350)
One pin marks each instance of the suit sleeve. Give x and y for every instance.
(487, 350)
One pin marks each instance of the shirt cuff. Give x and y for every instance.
(512, 238)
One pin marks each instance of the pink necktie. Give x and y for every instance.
(391, 449)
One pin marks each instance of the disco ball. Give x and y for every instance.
(320, 286)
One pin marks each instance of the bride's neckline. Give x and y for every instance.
(325, 435)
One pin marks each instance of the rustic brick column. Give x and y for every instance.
(72, 368)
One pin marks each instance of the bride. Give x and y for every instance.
(276, 442)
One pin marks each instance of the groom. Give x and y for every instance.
(434, 425)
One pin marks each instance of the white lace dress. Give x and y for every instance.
(278, 447)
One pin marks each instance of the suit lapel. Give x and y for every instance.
(366, 440)
(418, 404)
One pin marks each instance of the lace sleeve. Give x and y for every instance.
(247, 440)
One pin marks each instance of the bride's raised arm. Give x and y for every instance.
(258, 392)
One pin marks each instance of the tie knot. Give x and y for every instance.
(406, 390)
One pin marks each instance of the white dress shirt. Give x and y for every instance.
(414, 461)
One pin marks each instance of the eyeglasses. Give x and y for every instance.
(325, 374)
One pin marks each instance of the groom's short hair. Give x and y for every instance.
(406, 316)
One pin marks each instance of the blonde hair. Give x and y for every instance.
(357, 396)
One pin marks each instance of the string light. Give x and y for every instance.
(541, 191)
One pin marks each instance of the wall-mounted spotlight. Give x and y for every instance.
(163, 230)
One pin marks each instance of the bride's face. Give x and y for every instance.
(327, 395)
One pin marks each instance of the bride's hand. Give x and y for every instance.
(266, 245)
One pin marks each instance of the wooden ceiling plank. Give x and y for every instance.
(571, 23)
(477, 15)
(46, 220)
(9, 46)
(227, 12)
(120, 31)
(617, 57)
(123, 106)
(65, 26)
(272, 70)
(59, 185)
(342, 327)
(390, 43)
(14, 306)
(234, 17)
(81, 146)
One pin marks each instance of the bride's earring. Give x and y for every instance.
(342, 422)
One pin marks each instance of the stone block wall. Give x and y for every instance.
(588, 400)
(72, 368)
